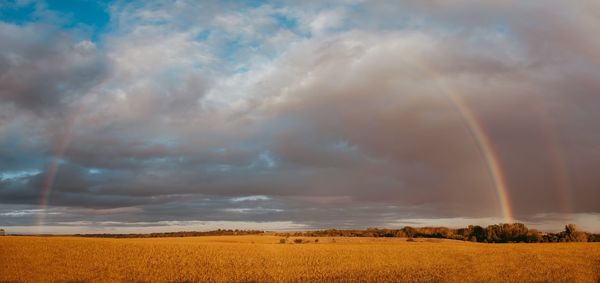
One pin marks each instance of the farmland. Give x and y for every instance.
(263, 258)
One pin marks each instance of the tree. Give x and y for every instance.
(478, 233)
(534, 236)
(572, 235)
(516, 232)
(570, 229)
(409, 231)
(493, 234)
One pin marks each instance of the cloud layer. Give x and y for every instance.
(304, 115)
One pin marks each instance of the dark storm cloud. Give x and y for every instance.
(333, 122)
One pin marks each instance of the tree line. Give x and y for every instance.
(497, 233)
(219, 232)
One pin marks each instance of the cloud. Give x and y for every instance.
(43, 69)
(303, 114)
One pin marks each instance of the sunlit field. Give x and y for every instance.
(265, 259)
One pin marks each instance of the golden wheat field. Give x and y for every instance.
(264, 259)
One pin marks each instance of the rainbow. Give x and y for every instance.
(470, 120)
(558, 160)
(484, 145)
(50, 176)
(489, 155)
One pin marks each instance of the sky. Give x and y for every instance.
(148, 116)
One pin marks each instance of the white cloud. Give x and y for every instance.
(8, 175)
(250, 198)
(327, 21)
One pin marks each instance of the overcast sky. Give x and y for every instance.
(197, 115)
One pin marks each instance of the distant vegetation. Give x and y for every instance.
(218, 232)
(500, 233)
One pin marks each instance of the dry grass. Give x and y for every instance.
(264, 259)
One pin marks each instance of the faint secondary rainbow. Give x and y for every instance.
(557, 158)
(484, 145)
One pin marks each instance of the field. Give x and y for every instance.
(265, 259)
